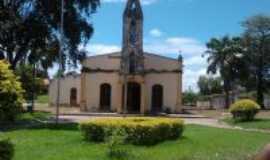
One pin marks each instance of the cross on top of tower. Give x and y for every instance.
(133, 7)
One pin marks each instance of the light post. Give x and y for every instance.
(60, 71)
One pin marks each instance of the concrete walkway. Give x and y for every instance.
(189, 119)
(199, 120)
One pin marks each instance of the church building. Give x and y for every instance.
(129, 81)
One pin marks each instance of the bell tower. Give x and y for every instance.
(132, 45)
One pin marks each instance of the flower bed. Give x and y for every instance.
(140, 131)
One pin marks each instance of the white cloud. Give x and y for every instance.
(144, 2)
(187, 46)
(190, 78)
(197, 60)
(97, 49)
(155, 32)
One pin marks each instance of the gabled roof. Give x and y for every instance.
(119, 53)
(160, 56)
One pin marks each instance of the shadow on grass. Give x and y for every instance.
(39, 126)
(37, 120)
(232, 121)
(64, 126)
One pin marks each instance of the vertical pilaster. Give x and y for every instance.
(179, 107)
(144, 97)
(83, 105)
(120, 95)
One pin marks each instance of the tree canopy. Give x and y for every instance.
(29, 30)
(224, 55)
(256, 39)
(243, 60)
(210, 85)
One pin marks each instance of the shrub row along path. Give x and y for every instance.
(194, 119)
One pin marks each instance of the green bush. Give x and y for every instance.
(115, 144)
(244, 110)
(6, 150)
(140, 131)
(11, 94)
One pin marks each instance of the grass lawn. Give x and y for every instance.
(256, 124)
(198, 143)
(43, 99)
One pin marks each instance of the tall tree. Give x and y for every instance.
(203, 85)
(210, 85)
(30, 29)
(257, 42)
(190, 97)
(223, 55)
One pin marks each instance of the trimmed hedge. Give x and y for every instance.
(244, 110)
(140, 131)
(6, 150)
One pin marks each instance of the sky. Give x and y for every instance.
(173, 26)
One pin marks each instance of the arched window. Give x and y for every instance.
(105, 97)
(73, 97)
(157, 98)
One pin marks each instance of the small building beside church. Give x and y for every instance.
(129, 81)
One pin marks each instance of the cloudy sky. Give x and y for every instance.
(171, 26)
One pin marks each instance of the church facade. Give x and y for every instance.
(128, 81)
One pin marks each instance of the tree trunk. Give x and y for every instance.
(227, 93)
(260, 96)
(260, 81)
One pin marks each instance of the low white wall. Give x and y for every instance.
(67, 83)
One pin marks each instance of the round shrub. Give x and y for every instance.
(244, 110)
(6, 150)
(11, 93)
(140, 131)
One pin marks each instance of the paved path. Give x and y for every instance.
(197, 119)
(200, 120)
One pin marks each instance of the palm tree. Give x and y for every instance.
(223, 55)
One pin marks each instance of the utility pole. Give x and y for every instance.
(60, 71)
(33, 87)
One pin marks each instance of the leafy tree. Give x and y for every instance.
(190, 97)
(29, 30)
(203, 85)
(223, 56)
(257, 41)
(32, 82)
(210, 85)
(11, 94)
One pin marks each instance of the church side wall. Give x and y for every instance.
(169, 83)
(67, 84)
(93, 83)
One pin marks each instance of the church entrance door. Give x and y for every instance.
(134, 97)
